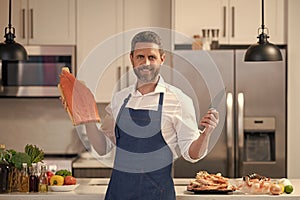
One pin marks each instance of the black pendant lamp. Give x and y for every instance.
(9, 49)
(263, 50)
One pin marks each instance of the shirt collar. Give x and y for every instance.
(160, 88)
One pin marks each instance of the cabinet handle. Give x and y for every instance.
(127, 76)
(31, 23)
(232, 21)
(119, 78)
(23, 23)
(224, 21)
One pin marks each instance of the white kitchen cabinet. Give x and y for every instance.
(237, 20)
(96, 22)
(99, 21)
(41, 22)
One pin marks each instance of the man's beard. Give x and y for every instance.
(147, 77)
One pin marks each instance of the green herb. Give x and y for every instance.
(20, 158)
(35, 153)
(9, 154)
(31, 155)
(63, 172)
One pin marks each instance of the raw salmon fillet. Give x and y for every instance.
(79, 100)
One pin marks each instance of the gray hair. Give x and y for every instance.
(147, 36)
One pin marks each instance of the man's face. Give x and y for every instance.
(146, 61)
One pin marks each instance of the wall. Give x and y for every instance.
(293, 149)
(39, 121)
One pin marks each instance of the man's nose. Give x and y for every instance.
(146, 61)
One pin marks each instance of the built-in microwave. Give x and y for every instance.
(39, 75)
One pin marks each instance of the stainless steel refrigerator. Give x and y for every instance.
(253, 136)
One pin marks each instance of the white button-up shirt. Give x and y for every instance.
(178, 125)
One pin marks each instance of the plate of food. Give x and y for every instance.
(211, 191)
(206, 183)
(63, 188)
(62, 181)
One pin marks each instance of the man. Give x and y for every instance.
(151, 123)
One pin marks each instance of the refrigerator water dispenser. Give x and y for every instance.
(259, 139)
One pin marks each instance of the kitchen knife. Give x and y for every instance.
(216, 101)
(214, 104)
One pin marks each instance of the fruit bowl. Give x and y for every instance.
(63, 188)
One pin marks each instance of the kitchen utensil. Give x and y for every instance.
(215, 102)
(217, 99)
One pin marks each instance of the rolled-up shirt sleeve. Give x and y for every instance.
(185, 124)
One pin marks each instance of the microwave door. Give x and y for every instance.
(39, 75)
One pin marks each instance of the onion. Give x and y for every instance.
(275, 189)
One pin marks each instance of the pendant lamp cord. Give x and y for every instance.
(9, 15)
(10, 30)
(262, 17)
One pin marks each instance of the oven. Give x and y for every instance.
(39, 75)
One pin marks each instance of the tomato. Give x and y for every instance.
(49, 175)
(70, 180)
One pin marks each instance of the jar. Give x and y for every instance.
(197, 44)
(33, 179)
(24, 187)
(43, 180)
(4, 171)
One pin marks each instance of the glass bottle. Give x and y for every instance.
(197, 44)
(33, 179)
(43, 180)
(24, 187)
(4, 170)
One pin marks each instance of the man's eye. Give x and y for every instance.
(152, 57)
(140, 57)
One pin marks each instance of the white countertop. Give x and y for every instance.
(94, 189)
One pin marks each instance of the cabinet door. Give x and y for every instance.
(51, 22)
(191, 16)
(41, 22)
(18, 19)
(275, 20)
(245, 19)
(139, 15)
(3, 17)
(238, 20)
(96, 22)
(99, 21)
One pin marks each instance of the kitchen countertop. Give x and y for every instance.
(94, 189)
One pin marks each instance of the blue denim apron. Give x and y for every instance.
(143, 162)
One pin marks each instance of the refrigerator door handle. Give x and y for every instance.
(230, 134)
(240, 129)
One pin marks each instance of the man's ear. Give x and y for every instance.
(163, 57)
(131, 58)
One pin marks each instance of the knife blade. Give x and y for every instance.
(214, 104)
(216, 101)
